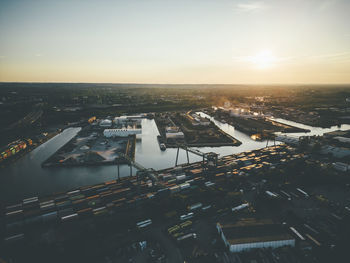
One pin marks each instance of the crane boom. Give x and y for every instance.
(151, 173)
(210, 156)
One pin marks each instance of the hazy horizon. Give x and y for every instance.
(182, 84)
(234, 42)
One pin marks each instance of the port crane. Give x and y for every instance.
(266, 135)
(141, 171)
(210, 157)
(274, 140)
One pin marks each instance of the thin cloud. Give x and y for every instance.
(332, 57)
(252, 58)
(250, 7)
(339, 57)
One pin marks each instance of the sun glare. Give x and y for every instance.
(264, 59)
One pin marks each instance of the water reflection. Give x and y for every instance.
(26, 177)
(313, 130)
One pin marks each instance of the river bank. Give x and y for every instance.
(191, 129)
(26, 177)
(257, 126)
(91, 148)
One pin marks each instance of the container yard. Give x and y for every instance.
(91, 147)
(111, 195)
(182, 206)
(13, 148)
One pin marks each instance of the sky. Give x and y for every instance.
(176, 41)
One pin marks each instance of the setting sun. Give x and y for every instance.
(264, 59)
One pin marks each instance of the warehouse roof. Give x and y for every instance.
(250, 230)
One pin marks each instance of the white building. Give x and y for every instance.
(106, 123)
(121, 132)
(173, 132)
(132, 118)
(173, 129)
(174, 135)
(199, 121)
(251, 233)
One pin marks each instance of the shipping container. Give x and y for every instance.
(302, 192)
(102, 189)
(77, 197)
(47, 205)
(69, 217)
(13, 207)
(74, 192)
(180, 177)
(63, 204)
(61, 197)
(109, 183)
(194, 206)
(79, 204)
(31, 200)
(187, 236)
(15, 213)
(144, 223)
(121, 200)
(184, 186)
(174, 189)
(186, 216)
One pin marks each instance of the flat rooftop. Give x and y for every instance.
(251, 230)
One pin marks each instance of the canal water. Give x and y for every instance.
(26, 178)
(313, 130)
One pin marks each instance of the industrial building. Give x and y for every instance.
(125, 132)
(250, 233)
(197, 120)
(175, 135)
(174, 132)
(238, 112)
(125, 119)
(106, 123)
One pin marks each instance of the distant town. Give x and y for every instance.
(174, 173)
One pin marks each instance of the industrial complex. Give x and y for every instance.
(224, 184)
(184, 202)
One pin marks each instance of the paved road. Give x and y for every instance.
(171, 251)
